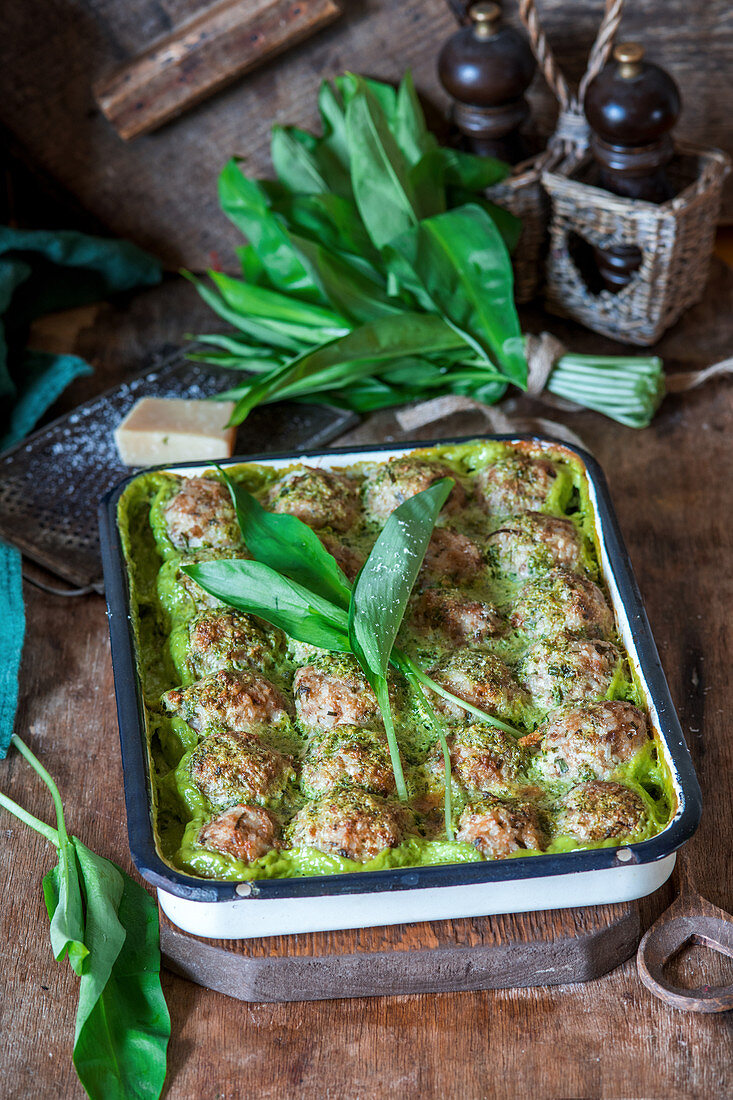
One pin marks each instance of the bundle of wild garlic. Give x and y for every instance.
(377, 273)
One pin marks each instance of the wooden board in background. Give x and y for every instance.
(161, 190)
(449, 956)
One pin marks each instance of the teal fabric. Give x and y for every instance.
(41, 272)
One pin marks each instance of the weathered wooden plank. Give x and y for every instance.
(202, 56)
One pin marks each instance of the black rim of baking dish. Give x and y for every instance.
(135, 759)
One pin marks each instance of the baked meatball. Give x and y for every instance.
(245, 832)
(589, 742)
(482, 759)
(201, 515)
(347, 756)
(333, 691)
(532, 543)
(451, 558)
(179, 593)
(569, 671)
(516, 484)
(401, 478)
(599, 811)
(233, 768)
(497, 827)
(229, 699)
(320, 498)
(562, 603)
(448, 613)
(351, 824)
(231, 639)
(481, 678)
(349, 561)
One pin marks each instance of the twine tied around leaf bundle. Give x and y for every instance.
(543, 354)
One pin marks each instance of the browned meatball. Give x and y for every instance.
(589, 742)
(231, 639)
(200, 515)
(571, 671)
(449, 613)
(451, 558)
(497, 827)
(234, 768)
(320, 498)
(180, 594)
(600, 811)
(234, 700)
(562, 603)
(532, 543)
(516, 484)
(350, 561)
(348, 756)
(481, 678)
(245, 832)
(482, 758)
(401, 478)
(333, 691)
(351, 824)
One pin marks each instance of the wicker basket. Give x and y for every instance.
(675, 240)
(522, 193)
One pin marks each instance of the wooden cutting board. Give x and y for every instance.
(524, 949)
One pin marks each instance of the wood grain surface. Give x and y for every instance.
(448, 956)
(161, 190)
(672, 486)
(202, 56)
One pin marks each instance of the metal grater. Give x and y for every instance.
(51, 483)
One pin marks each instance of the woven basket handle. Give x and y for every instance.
(572, 129)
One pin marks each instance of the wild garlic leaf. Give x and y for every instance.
(380, 173)
(358, 296)
(383, 587)
(257, 329)
(123, 1030)
(471, 172)
(332, 222)
(246, 205)
(409, 126)
(104, 934)
(271, 305)
(379, 340)
(293, 158)
(464, 267)
(62, 895)
(288, 545)
(258, 589)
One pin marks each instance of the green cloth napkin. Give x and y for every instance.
(40, 272)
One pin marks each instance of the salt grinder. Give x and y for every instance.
(631, 107)
(486, 68)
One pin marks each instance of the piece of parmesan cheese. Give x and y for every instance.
(175, 429)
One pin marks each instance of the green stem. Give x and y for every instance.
(439, 728)
(38, 767)
(382, 692)
(401, 659)
(28, 819)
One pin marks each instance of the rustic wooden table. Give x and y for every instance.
(673, 488)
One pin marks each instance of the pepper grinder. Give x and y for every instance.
(631, 107)
(486, 68)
